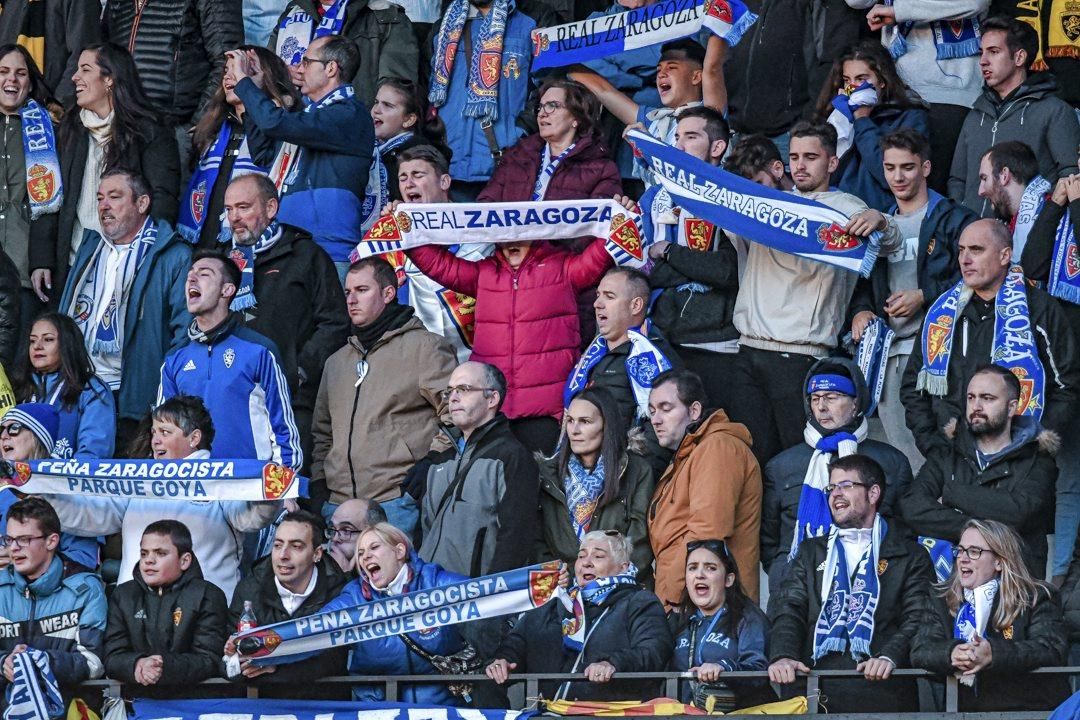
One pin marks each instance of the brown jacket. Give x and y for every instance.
(367, 436)
(711, 490)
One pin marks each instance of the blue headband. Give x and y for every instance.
(824, 382)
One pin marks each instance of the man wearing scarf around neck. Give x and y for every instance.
(126, 292)
(380, 402)
(794, 505)
(961, 332)
(1009, 179)
(289, 291)
(853, 599)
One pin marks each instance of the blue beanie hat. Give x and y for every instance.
(830, 381)
(41, 419)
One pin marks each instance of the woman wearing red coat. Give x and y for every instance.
(526, 293)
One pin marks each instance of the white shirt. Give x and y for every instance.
(855, 541)
(292, 601)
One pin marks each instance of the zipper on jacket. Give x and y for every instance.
(140, 5)
(352, 426)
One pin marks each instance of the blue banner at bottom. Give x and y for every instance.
(245, 709)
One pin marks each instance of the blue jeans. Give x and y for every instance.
(342, 270)
(403, 513)
(1067, 517)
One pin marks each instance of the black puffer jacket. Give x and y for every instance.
(179, 47)
(185, 623)
(9, 309)
(70, 25)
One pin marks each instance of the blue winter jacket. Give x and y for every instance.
(237, 374)
(472, 155)
(88, 428)
(389, 655)
(713, 644)
(62, 616)
(156, 318)
(860, 171)
(336, 144)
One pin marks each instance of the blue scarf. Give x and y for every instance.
(34, 694)
(1014, 342)
(846, 621)
(44, 186)
(973, 615)
(644, 363)
(1065, 272)
(295, 30)
(780, 220)
(596, 593)
(952, 38)
(583, 489)
(482, 89)
(377, 194)
(940, 555)
(204, 179)
(286, 166)
(813, 518)
(244, 257)
(548, 166)
(872, 356)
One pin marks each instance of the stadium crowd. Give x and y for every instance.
(185, 182)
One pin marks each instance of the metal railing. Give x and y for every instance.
(391, 685)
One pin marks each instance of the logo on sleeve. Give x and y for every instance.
(189, 365)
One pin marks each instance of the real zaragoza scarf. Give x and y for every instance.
(415, 224)
(1065, 270)
(842, 118)
(1031, 204)
(33, 693)
(579, 42)
(781, 220)
(872, 357)
(848, 604)
(377, 194)
(940, 552)
(44, 186)
(972, 616)
(220, 480)
(203, 180)
(295, 30)
(952, 38)
(548, 166)
(244, 257)
(595, 592)
(1014, 345)
(482, 89)
(583, 489)
(643, 364)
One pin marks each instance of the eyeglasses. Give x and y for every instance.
(463, 389)
(306, 61)
(19, 542)
(973, 553)
(346, 533)
(828, 398)
(844, 485)
(549, 107)
(12, 429)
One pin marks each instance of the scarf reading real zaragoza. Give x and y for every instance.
(510, 592)
(1065, 270)
(415, 224)
(598, 37)
(1014, 345)
(44, 188)
(781, 220)
(220, 480)
(849, 598)
(482, 90)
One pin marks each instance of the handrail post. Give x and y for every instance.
(952, 694)
(671, 688)
(532, 690)
(811, 694)
(251, 692)
(391, 691)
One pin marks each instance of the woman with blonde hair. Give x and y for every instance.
(992, 623)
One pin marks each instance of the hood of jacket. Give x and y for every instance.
(847, 368)
(715, 422)
(1036, 87)
(1026, 432)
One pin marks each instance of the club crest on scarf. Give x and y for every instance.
(626, 235)
(1072, 261)
(937, 335)
(699, 234)
(719, 9)
(276, 480)
(834, 239)
(41, 183)
(198, 202)
(490, 61)
(542, 583)
(385, 228)
(462, 310)
(44, 185)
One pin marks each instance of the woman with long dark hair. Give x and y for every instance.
(56, 369)
(719, 629)
(865, 99)
(992, 623)
(220, 150)
(111, 126)
(594, 482)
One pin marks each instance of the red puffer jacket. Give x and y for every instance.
(526, 319)
(587, 172)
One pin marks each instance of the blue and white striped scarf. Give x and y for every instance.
(596, 593)
(44, 186)
(1065, 272)
(34, 693)
(848, 603)
(952, 38)
(482, 87)
(548, 166)
(644, 363)
(973, 615)
(377, 194)
(583, 490)
(295, 30)
(203, 180)
(244, 257)
(872, 357)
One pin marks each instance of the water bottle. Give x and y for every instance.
(247, 618)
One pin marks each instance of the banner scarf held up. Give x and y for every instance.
(780, 220)
(504, 593)
(668, 20)
(292, 709)
(217, 480)
(415, 224)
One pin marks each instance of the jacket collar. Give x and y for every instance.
(47, 584)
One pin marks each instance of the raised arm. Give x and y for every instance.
(610, 97)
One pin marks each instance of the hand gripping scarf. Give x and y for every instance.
(972, 617)
(482, 89)
(34, 693)
(842, 118)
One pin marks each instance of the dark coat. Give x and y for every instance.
(627, 514)
(1016, 488)
(1070, 594)
(179, 48)
(1037, 638)
(903, 601)
(860, 171)
(186, 623)
(633, 636)
(974, 337)
(586, 172)
(10, 324)
(300, 306)
(156, 158)
(259, 588)
(70, 25)
(609, 373)
(1038, 257)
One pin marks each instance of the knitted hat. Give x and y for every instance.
(41, 419)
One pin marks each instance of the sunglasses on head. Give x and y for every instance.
(716, 547)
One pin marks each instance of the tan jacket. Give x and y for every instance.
(367, 436)
(711, 490)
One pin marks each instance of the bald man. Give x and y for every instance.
(934, 387)
(350, 520)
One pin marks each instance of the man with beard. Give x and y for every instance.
(1009, 178)
(1000, 467)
